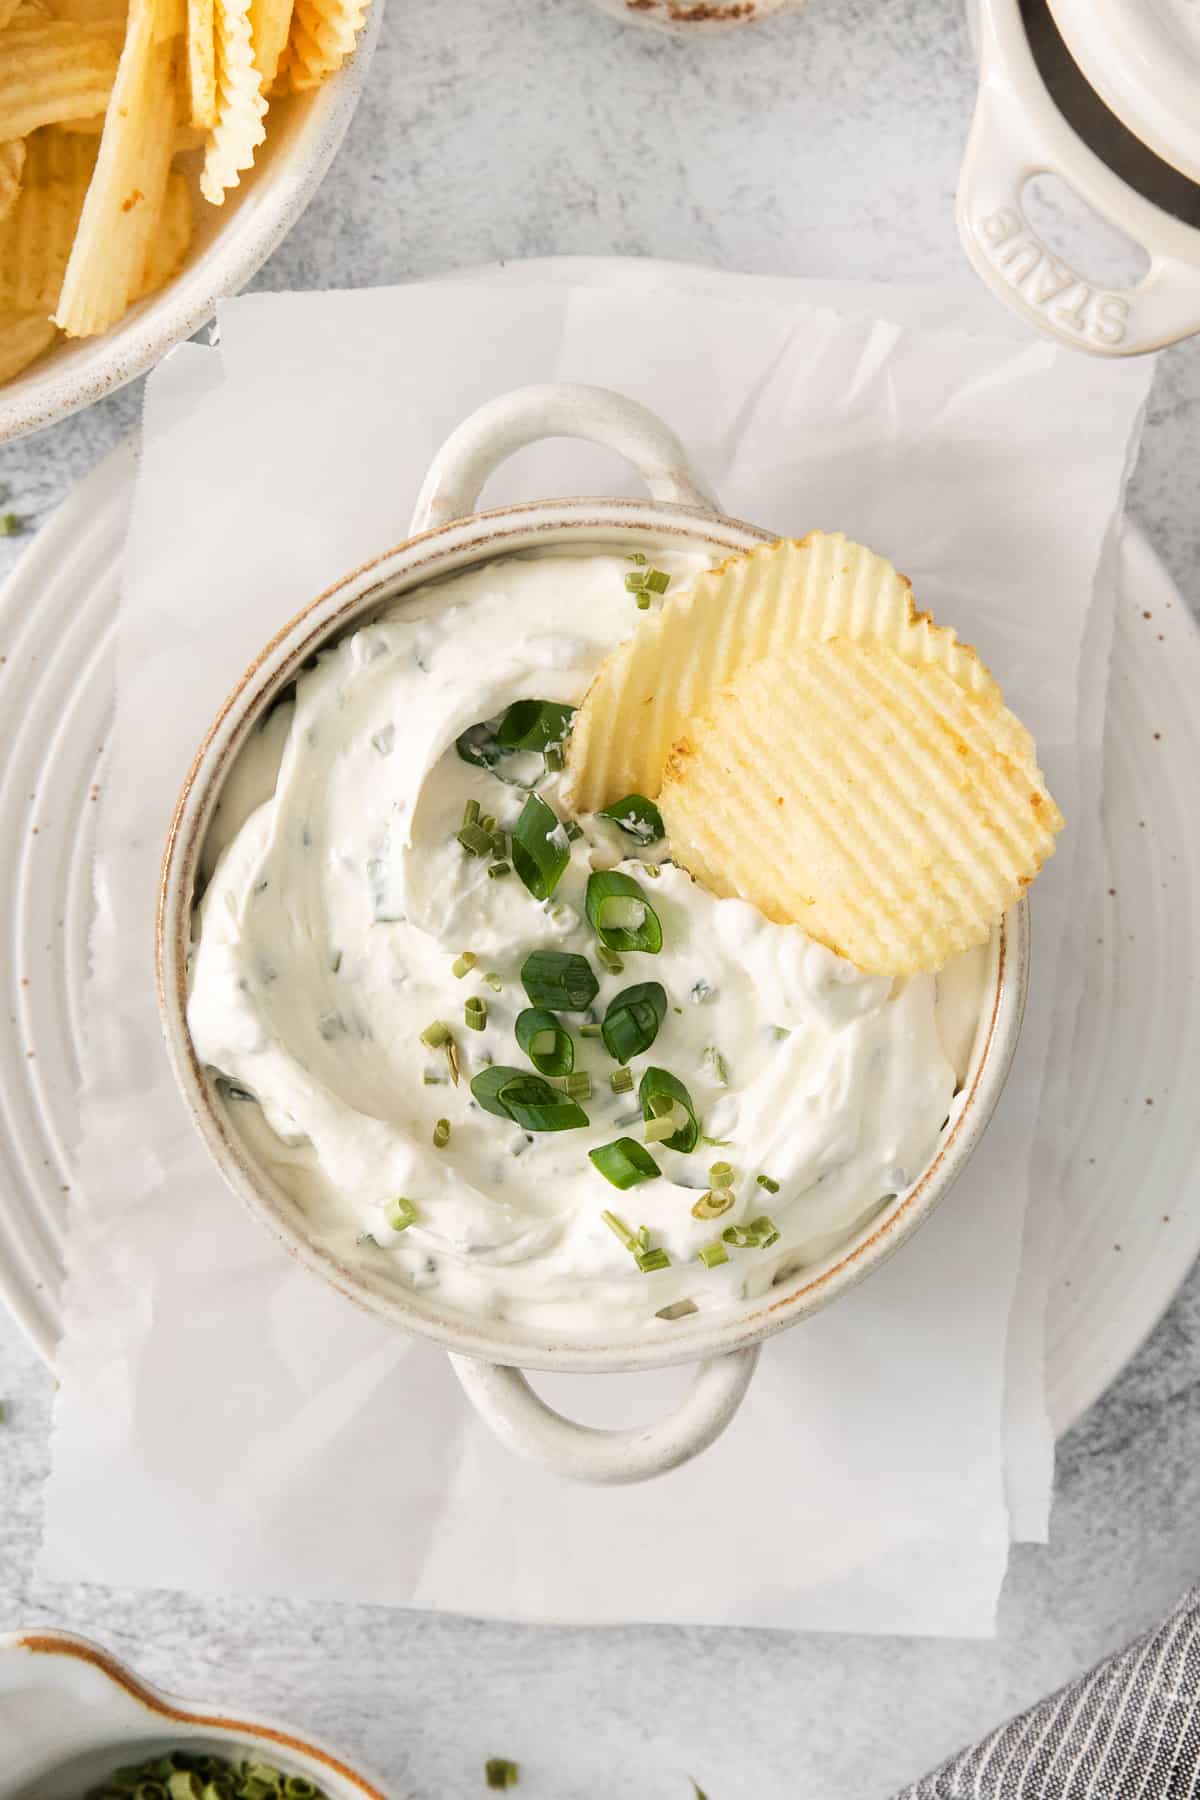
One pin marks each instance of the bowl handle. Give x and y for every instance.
(1017, 133)
(553, 409)
(524, 1423)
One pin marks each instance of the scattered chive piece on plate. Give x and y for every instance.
(463, 964)
(471, 813)
(625, 1163)
(401, 1214)
(441, 1134)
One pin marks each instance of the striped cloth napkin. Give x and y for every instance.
(1127, 1729)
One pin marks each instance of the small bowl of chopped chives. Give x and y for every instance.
(76, 1724)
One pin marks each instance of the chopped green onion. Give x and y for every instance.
(714, 1254)
(475, 840)
(608, 959)
(632, 1020)
(643, 601)
(494, 981)
(572, 830)
(526, 1099)
(11, 524)
(579, 1085)
(591, 1029)
(659, 1130)
(500, 1773)
(713, 1204)
(638, 558)
(649, 1260)
(765, 1230)
(715, 1063)
(540, 851)
(555, 760)
(638, 817)
(659, 1086)
(619, 1228)
(463, 964)
(559, 980)
(441, 1134)
(488, 824)
(620, 913)
(721, 1174)
(435, 1035)
(400, 1214)
(546, 1042)
(624, 1163)
(765, 1181)
(647, 581)
(657, 581)
(534, 725)
(335, 962)
(452, 1060)
(475, 1012)
(621, 1081)
(498, 869)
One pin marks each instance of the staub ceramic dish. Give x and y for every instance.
(488, 1354)
(1018, 133)
(70, 1714)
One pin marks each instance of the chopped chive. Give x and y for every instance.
(716, 1065)
(721, 1174)
(649, 1260)
(546, 1041)
(559, 980)
(335, 962)
(635, 582)
(432, 1080)
(624, 1162)
(463, 964)
(658, 581)
(579, 1085)
(619, 1228)
(659, 1086)
(435, 1035)
(637, 557)
(474, 840)
(714, 1254)
(658, 1130)
(471, 813)
(652, 870)
(609, 959)
(765, 1181)
(500, 1773)
(643, 601)
(555, 760)
(499, 844)
(591, 1029)
(643, 1237)
(765, 1230)
(497, 870)
(713, 1204)
(475, 1012)
(534, 725)
(572, 830)
(621, 1081)
(540, 850)
(494, 981)
(620, 913)
(488, 823)
(633, 1018)
(452, 1062)
(11, 524)
(441, 1134)
(400, 1214)
(526, 1099)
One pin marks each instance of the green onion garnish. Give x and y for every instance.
(500, 1773)
(555, 760)
(657, 1087)
(643, 601)
(765, 1181)
(619, 1229)
(540, 851)
(637, 816)
(11, 524)
(721, 1174)
(463, 964)
(475, 1012)
(713, 1204)
(400, 1214)
(608, 959)
(526, 1099)
(624, 1163)
(572, 830)
(649, 1260)
(435, 1035)
(498, 869)
(475, 840)
(534, 725)
(716, 1065)
(452, 1060)
(621, 1081)
(546, 1042)
(591, 1029)
(441, 1134)
(471, 813)
(579, 1085)
(765, 1231)
(559, 980)
(714, 1254)
(494, 981)
(647, 581)
(620, 913)
(632, 1020)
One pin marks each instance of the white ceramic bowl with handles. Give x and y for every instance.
(1017, 133)
(489, 1354)
(70, 1714)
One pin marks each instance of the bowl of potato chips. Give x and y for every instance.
(152, 155)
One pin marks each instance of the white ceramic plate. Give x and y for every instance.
(1132, 1174)
(232, 242)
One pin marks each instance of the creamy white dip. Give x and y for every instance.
(339, 899)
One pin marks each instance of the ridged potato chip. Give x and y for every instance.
(12, 163)
(36, 237)
(240, 104)
(52, 69)
(127, 188)
(172, 235)
(761, 604)
(23, 338)
(876, 802)
(202, 63)
(270, 23)
(323, 34)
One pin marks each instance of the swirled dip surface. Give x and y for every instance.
(340, 898)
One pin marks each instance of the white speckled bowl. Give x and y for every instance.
(488, 1354)
(70, 1714)
(232, 242)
